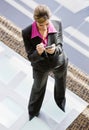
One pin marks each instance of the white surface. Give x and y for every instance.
(76, 46)
(74, 6)
(7, 69)
(78, 35)
(24, 88)
(20, 8)
(87, 19)
(35, 124)
(9, 112)
(17, 92)
(1, 49)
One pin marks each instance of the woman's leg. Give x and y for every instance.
(37, 92)
(60, 75)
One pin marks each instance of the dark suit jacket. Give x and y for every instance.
(45, 61)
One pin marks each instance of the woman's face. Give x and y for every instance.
(43, 26)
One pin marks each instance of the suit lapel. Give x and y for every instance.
(49, 40)
(52, 38)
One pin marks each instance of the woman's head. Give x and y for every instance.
(42, 13)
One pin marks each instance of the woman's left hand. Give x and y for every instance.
(51, 50)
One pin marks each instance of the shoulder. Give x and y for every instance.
(56, 21)
(27, 30)
(57, 24)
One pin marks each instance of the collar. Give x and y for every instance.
(35, 32)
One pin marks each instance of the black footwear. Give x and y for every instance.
(31, 117)
(37, 115)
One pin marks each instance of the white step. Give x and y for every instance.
(15, 87)
(35, 124)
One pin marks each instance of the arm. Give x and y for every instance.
(31, 51)
(59, 38)
(56, 39)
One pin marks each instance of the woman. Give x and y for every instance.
(44, 47)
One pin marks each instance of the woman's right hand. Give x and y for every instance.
(40, 48)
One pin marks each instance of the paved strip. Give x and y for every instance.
(76, 46)
(74, 6)
(20, 8)
(78, 35)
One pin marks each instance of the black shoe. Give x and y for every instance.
(37, 115)
(31, 117)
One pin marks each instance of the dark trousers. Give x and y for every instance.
(39, 87)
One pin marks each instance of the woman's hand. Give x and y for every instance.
(40, 48)
(51, 50)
